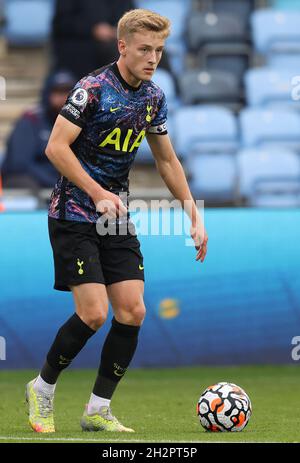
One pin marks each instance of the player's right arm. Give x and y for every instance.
(58, 151)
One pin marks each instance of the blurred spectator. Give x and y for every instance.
(84, 34)
(25, 164)
(2, 15)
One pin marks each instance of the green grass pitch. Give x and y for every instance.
(160, 404)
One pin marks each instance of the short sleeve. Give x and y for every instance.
(159, 123)
(82, 101)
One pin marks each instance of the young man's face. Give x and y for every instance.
(142, 52)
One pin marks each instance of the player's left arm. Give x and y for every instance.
(173, 175)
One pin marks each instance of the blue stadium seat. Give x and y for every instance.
(239, 8)
(176, 11)
(206, 28)
(286, 4)
(272, 127)
(278, 192)
(207, 129)
(209, 86)
(220, 40)
(288, 61)
(276, 31)
(144, 155)
(213, 177)
(28, 22)
(165, 81)
(26, 202)
(269, 87)
(232, 58)
(269, 177)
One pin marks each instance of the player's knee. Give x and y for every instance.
(94, 318)
(136, 313)
(95, 321)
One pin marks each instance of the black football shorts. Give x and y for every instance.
(81, 255)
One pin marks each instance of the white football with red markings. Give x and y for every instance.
(224, 407)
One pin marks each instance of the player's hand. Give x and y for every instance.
(110, 204)
(200, 238)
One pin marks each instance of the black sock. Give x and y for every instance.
(118, 350)
(69, 341)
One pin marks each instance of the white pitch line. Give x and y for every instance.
(75, 439)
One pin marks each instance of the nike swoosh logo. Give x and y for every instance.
(141, 267)
(112, 110)
(119, 374)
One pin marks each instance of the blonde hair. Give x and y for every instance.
(140, 19)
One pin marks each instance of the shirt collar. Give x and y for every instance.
(116, 71)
